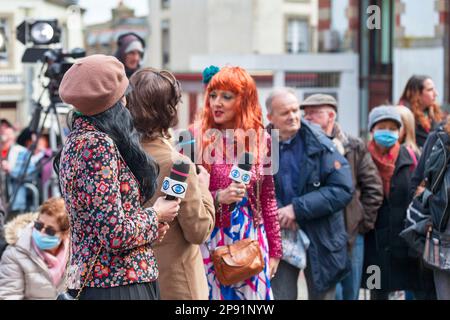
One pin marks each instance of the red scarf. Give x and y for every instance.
(385, 163)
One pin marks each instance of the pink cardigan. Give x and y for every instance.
(269, 216)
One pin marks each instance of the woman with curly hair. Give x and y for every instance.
(420, 96)
(231, 124)
(153, 103)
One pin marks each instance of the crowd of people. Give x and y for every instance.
(113, 234)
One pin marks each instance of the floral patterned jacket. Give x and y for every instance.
(106, 216)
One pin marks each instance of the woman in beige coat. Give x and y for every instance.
(153, 104)
(34, 263)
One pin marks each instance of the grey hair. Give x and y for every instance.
(278, 92)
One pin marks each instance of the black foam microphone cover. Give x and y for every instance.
(179, 172)
(246, 161)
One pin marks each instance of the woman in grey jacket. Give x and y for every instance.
(34, 263)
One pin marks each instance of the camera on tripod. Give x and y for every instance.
(58, 62)
(42, 39)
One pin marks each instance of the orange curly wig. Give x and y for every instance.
(248, 113)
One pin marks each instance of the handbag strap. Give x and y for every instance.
(86, 279)
(258, 199)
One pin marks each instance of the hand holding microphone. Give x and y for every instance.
(235, 192)
(167, 210)
(241, 175)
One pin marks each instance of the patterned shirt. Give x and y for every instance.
(104, 204)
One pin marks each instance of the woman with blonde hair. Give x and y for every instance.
(407, 134)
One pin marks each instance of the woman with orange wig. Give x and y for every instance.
(231, 124)
(420, 96)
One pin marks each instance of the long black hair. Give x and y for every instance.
(117, 123)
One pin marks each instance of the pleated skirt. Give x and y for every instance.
(136, 291)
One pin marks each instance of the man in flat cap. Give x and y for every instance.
(361, 212)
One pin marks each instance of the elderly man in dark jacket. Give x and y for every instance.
(361, 213)
(313, 186)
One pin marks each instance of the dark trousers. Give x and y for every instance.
(284, 284)
(137, 291)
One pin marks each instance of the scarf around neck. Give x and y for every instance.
(385, 163)
(56, 264)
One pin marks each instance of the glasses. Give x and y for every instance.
(48, 230)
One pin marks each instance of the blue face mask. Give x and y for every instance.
(45, 242)
(385, 138)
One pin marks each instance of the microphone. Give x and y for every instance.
(186, 143)
(241, 173)
(175, 186)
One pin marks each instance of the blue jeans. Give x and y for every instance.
(348, 288)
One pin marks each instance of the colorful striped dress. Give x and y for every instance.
(240, 224)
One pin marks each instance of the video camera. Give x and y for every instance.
(58, 62)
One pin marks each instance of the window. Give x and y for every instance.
(297, 38)
(5, 42)
(417, 11)
(165, 4)
(165, 45)
(381, 41)
(339, 23)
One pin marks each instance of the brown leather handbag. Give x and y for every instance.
(237, 262)
(241, 260)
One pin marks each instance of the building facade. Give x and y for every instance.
(188, 35)
(394, 39)
(102, 37)
(184, 28)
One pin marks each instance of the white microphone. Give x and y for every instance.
(175, 185)
(241, 173)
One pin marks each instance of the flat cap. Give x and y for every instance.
(319, 100)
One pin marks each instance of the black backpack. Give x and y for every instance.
(437, 182)
(432, 207)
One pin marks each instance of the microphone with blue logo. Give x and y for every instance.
(241, 173)
(175, 186)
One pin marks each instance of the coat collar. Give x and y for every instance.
(404, 159)
(315, 140)
(159, 141)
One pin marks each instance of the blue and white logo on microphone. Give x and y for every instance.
(245, 178)
(178, 189)
(235, 174)
(174, 188)
(239, 175)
